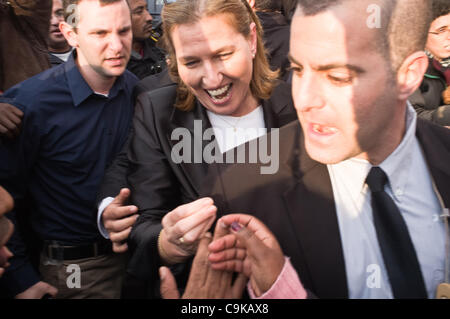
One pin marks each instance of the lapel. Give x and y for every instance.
(311, 209)
(196, 121)
(278, 111)
(435, 143)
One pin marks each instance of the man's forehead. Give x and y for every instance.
(93, 14)
(333, 32)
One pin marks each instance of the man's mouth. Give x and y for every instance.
(220, 95)
(322, 129)
(116, 60)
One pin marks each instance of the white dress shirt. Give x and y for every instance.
(411, 187)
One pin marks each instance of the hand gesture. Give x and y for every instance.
(118, 220)
(251, 249)
(183, 228)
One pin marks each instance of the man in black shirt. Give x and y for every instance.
(146, 58)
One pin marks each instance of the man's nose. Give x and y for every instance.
(115, 43)
(307, 92)
(148, 16)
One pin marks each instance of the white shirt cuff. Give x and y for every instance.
(101, 228)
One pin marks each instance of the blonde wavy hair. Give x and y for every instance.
(241, 16)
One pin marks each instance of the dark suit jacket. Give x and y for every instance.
(159, 185)
(297, 203)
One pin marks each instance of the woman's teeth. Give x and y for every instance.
(221, 93)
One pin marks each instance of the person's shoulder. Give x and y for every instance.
(28, 93)
(159, 102)
(130, 80)
(161, 97)
(281, 95)
(430, 132)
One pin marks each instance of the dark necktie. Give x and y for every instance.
(399, 255)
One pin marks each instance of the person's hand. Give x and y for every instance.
(6, 202)
(183, 228)
(118, 220)
(10, 120)
(251, 249)
(446, 95)
(6, 228)
(38, 291)
(204, 282)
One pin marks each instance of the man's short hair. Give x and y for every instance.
(404, 25)
(70, 5)
(440, 8)
(268, 5)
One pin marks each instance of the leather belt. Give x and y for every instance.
(61, 252)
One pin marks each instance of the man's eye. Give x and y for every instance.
(340, 80)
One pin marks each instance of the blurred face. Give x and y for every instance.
(6, 229)
(141, 20)
(103, 38)
(56, 40)
(216, 63)
(342, 91)
(438, 42)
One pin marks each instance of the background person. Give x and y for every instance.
(58, 48)
(146, 58)
(432, 99)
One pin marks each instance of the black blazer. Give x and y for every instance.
(297, 203)
(159, 185)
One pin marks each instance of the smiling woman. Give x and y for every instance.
(223, 83)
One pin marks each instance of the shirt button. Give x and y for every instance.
(398, 192)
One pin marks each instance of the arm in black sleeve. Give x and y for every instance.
(154, 187)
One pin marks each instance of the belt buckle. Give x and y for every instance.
(56, 258)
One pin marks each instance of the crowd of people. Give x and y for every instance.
(115, 149)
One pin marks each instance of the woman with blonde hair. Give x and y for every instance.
(223, 83)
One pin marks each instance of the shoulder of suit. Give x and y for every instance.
(429, 131)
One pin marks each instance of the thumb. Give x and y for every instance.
(52, 290)
(255, 247)
(122, 197)
(168, 287)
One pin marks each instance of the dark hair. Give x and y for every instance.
(240, 16)
(440, 8)
(268, 5)
(404, 28)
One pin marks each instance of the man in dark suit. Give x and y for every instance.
(360, 152)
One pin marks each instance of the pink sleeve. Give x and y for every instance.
(287, 285)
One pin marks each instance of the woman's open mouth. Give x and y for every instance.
(221, 95)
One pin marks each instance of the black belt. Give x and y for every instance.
(61, 252)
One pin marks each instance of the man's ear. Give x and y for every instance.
(411, 73)
(69, 33)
